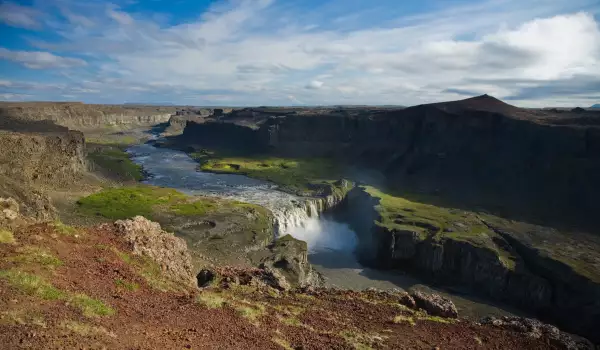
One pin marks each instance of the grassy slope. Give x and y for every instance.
(397, 213)
(215, 229)
(126, 202)
(89, 291)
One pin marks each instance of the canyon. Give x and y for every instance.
(473, 195)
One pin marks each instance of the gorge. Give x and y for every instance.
(469, 199)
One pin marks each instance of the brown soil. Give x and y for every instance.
(147, 318)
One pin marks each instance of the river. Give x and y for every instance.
(331, 243)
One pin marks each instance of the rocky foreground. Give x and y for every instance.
(132, 285)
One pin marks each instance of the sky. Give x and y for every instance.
(530, 53)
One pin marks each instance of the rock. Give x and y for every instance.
(146, 238)
(289, 258)
(536, 329)
(9, 204)
(205, 277)
(10, 215)
(407, 301)
(435, 304)
(226, 277)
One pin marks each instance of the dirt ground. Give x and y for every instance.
(130, 310)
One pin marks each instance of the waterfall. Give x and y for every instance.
(298, 215)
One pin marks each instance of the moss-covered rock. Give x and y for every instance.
(216, 230)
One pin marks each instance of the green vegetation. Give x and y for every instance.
(149, 270)
(114, 140)
(65, 230)
(212, 300)
(90, 307)
(22, 317)
(6, 237)
(32, 285)
(130, 286)
(199, 207)
(404, 319)
(429, 221)
(36, 286)
(36, 255)
(126, 202)
(438, 319)
(299, 175)
(115, 162)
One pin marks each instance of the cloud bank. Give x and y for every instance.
(261, 52)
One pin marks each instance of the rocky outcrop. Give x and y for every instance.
(50, 158)
(146, 238)
(228, 277)
(435, 304)
(536, 329)
(289, 257)
(177, 123)
(82, 116)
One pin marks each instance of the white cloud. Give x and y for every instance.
(19, 16)
(119, 16)
(262, 52)
(40, 60)
(14, 97)
(315, 85)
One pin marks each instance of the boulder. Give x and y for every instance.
(146, 238)
(536, 329)
(435, 304)
(226, 277)
(289, 259)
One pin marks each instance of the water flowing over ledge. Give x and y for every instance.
(298, 216)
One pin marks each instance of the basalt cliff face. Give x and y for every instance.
(478, 152)
(36, 156)
(80, 116)
(520, 264)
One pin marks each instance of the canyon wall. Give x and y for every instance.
(81, 116)
(505, 160)
(36, 156)
(534, 278)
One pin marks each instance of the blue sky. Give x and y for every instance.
(300, 52)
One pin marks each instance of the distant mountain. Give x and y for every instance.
(596, 106)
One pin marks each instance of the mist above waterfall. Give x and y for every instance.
(322, 234)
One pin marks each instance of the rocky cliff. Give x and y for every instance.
(534, 165)
(81, 116)
(35, 156)
(529, 266)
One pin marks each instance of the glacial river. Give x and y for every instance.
(331, 243)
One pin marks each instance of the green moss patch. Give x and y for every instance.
(126, 202)
(130, 286)
(6, 237)
(36, 286)
(210, 299)
(38, 256)
(436, 223)
(90, 307)
(32, 285)
(299, 175)
(65, 230)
